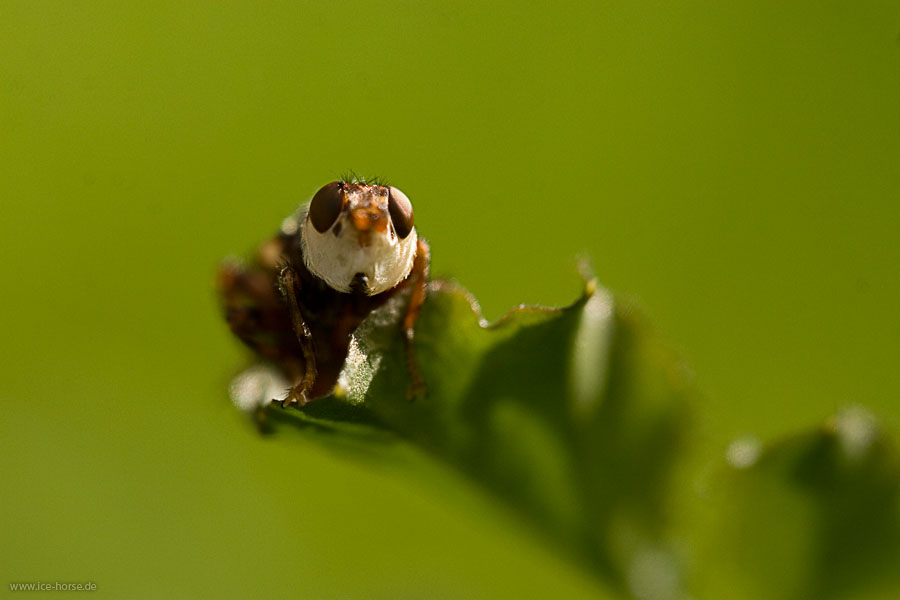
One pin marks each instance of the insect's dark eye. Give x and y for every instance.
(326, 206)
(401, 212)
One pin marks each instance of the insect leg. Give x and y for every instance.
(419, 281)
(257, 314)
(288, 282)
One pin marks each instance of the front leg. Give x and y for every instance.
(288, 282)
(419, 280)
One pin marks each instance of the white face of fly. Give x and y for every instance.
(359, 237)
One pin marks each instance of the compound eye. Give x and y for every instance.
(326, 206)
(401, 212)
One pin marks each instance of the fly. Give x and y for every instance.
(346, 253)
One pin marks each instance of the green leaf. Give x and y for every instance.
(582, 422)
(816, 515)
(573, 417)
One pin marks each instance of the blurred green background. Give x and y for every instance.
(734, 167)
